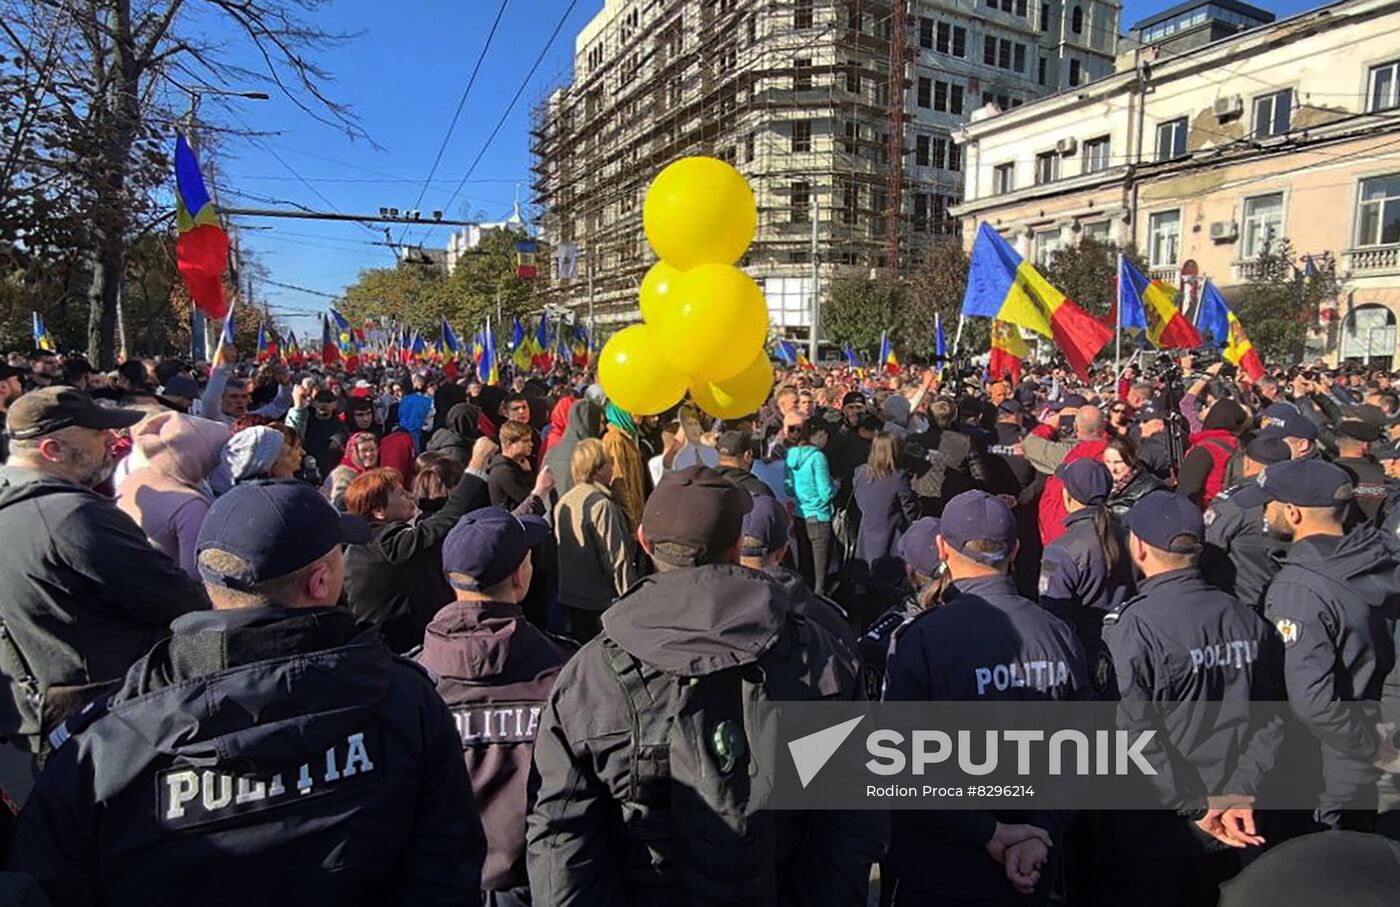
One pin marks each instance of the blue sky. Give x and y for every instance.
(403, 77)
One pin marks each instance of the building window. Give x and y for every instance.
(1021, 8)
(800, 201)
(923, 150)
(1047, 167)
(952, 39)
(1003, 179)
(1096, 154)
(853, 77)
(925, 98)
(920, 212)
(1020, 64)
(1004, 54)
(1076, 73)
(801, 74)
(1076, 20)
(989, 50)
(1385, 86)
(801, 136)
(852, 136)
(1263, 223)
(940, 153)
(1097, 231)
(1171, 139)
(802, 14)
(926, 33)
(1273, 113)
(947, 98)
(1378, 214)
(1044, 17)
(1042, 70)
(1047, 243)
(954, 156)
(1163, 238)
(748, 148)
(850, 202)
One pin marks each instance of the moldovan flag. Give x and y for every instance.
(294, 354)
(201, 251)
(330, 349)
(1003, 286)
(1225, 330)
(267, 348)
(786, 352)
(1008, 349)
(42, 340)
(1166, 327)
(887, 357)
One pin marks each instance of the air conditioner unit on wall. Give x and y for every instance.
(1066, 146)
(1229, 106)
(1224, 231)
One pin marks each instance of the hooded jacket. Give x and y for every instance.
(167, 497)
(264, 755)
(1202, 473)
(586, 842)
(458, 435)
(85, 596)
(558, 423)
(1333, 605)
(495, 671)
(809, 483)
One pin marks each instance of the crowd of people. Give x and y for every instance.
(391, 637)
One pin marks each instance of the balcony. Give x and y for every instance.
(1374, 259)
(1246, 271)
(1167, 275)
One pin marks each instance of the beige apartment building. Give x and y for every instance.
(1201, 158)
(798, 95)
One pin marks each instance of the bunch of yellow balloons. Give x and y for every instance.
(704, 319)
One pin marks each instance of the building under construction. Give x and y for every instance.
(851, 166)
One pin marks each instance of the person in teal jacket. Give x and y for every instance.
(809, 485)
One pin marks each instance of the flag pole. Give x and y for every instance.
(957, 338)
(1118, 322)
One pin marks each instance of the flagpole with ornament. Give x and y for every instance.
(1118, 319)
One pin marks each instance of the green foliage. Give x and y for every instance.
(936, 287)
(483, 284)
(857, 309)
(1087, 273)
(1277, 305)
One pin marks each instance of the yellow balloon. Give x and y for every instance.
(657, 286)
(635, 375)
(699, 210)
(740, 395)
(713, 323)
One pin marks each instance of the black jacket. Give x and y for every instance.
(1333, 605)
(945, 463)
(495, 672)
(1182, 641)
(85, 595)
(395, 581)
(588, 846)
(259, 756)
(324, 441)
(1075, 582)
(509, 482)
(1239, 558)
(985, 642)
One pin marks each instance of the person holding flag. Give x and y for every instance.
(888, 361)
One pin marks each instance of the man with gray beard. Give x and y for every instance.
(85, 593)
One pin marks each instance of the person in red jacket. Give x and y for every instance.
(1202, 473)
(1048, 455)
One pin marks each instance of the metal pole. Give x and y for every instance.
(591, 324)
(197, 328)
(816, 289)
(1118, 324)
(957, 338)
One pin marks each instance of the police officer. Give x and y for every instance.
(1389, 458)
(269, 751)
(977, 647)
(1357, 430)
(1331, 605)
(926, 578)
(495, 671)
(1085, 573)
(1283, 420)
(1239, 557)
(1180, 640)
(1010, 473)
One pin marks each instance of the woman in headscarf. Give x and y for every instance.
(459, 434)
(620, 441)
(361, 454)
(585, 421)
(558, 422)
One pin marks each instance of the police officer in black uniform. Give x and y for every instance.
(270, 751)
(1182, 641)
(1010, 473)
(1332, 606)
(1357, 430)
(985, 643)
(1085, 573)
(1239, 557)
(495, 672)
(1389, 458)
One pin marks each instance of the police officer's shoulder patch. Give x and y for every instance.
(1289, 630)
(1209, 516)
(1113, 616)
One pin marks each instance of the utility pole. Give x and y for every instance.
(895, 205)
(591, 323)
(813, 336)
